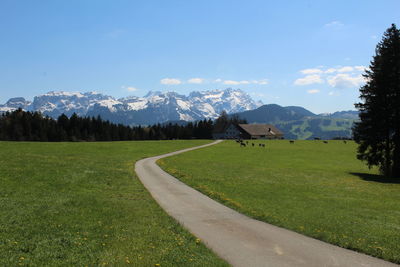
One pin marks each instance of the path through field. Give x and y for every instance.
(238, 239)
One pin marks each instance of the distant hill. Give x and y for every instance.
(300, 123)
(273, 113)
(349, 114)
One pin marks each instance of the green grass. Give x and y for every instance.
(320, 190)
(80, 204)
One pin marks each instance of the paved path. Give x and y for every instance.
(238, 239)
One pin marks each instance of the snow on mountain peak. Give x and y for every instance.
(152, 93)
(154, 107)
(63, 93)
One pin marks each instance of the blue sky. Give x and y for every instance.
(304, 53)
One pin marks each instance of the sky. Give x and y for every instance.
(291, 52)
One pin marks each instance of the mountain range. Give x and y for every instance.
(162, 107)
(154, 107)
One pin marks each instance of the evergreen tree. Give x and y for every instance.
(378, 131)
(221, 123)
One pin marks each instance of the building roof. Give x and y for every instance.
(260, 129)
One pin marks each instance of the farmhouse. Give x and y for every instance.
(250, 131)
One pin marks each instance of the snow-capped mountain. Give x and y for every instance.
(154, 107)
(15, 103)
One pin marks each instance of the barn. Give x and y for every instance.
(249, 131)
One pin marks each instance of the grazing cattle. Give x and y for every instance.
(242, 144)
(344, 141)
(252, 144)
(291, 141)
(325, 142)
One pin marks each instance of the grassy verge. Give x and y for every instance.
(320, 190)
(80, 204)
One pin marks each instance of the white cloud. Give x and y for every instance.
(334, 23)
(313, 91)
(343, 80)
(170, 81)
(330, 70)
(239, 82)
(233, 82)
(360, 68)
(340, 69)
(345, 69)
(196, 80)
(309, 79)
(230, 82)
(129, 88)
(337, 77)
(331, 93)
(262, 82)
(311, 71)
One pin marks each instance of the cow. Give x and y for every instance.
(291, 141)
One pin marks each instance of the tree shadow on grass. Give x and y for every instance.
(376, 178)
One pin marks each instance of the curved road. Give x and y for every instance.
(238, 239)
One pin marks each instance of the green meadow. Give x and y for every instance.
(320, 190)
(80, 204)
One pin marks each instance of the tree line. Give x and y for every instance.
(20, 125)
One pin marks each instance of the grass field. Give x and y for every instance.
(320, 190)
(80, 204)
